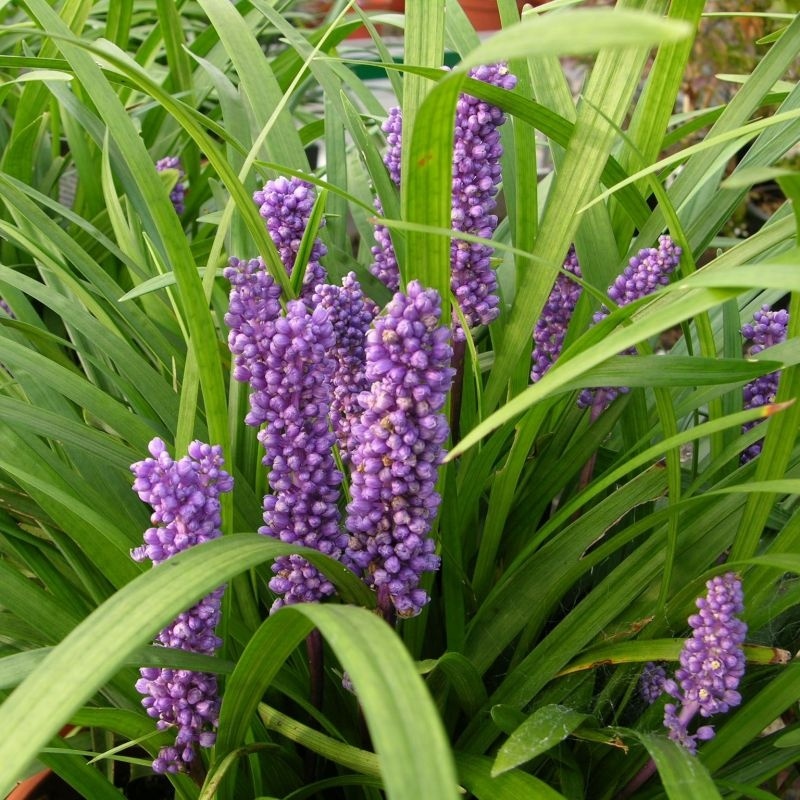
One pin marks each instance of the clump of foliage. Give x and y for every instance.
(492, 565)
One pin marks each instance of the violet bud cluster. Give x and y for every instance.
(767, 328)
(178, 192)
(253, 308)
(384, 259)
(398, 447)
(184, 495)
(646, 271)
(302, 509)
(476, 180)
(351, 314)
(286, 205)
(651, 682)
(712, 662)
(551, 328)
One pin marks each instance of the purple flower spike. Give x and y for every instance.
(254, 307)
(398, 448)
(298, 367)
(384, 266)
(646, 271)
(384, 259)
(550, 330)
(712, 662)
(393, 128)
(184, 495)
(768, 328)
(351, 314)
(651, 683)
(178, 192)
(476, 180)
(286, 205)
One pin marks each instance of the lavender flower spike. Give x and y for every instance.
(286, 205)
(178, 192)
(384, 265)
(254, 306)
(351, 314)
(184, 495)
(768, 328)
(398, 447)
(475, 184)
(551, 328)
(476, 180)
(646, 271)
(712, 662)
(295, 403)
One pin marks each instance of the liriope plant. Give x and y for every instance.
(394, 554)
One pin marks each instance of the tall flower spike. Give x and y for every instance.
(178, 192)
(767, 328)
(254, 306)
(286, 205)
(398, 448)
(712, 662)
(351, 314)
(298, 367)
(476, 179)
(551, 328)
(646, 271)
(384, 265)
(184, 495)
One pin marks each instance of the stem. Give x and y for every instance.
(646, 772)
(639, 780)
(457, 392)
(598, 406)
(315, 668)
(314, 650)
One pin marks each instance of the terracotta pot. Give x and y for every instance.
(44, 785)
(386, 6)
(31, 787)
(483, 14)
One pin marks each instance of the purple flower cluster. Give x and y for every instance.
(384, 259)
(184, 495)
(286, 205)
(712, 662)
(646, 271)
(298, 367)
(178, 192)
(651, 683)
(351, 314)
(476, 179)
(551, 328)
(398, 447)
(254, 306)
(767, 328)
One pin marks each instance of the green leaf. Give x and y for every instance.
(681, 773)
(641, 651)
(577, 33)
(544, 729)
(129, 619)
(475, 773)
(402, 720)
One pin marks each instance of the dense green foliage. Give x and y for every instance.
(519, 678)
